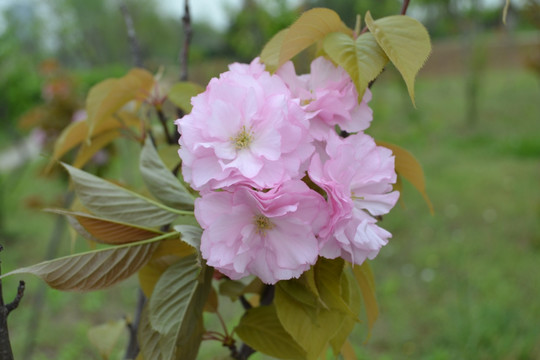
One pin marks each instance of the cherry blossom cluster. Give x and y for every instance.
(279, 187)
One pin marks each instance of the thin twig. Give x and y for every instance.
(132, 35)
(163, 121)
(404, 7)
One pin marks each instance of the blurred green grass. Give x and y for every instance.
(462, 284)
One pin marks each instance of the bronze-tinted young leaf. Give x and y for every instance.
(212, 303)
(75, 133)
(311, 26)
(105, 336)
(347, 351)
(366, 281)
(116, 203)
(106, 231)
(363, 58)
(180, 94)
(93, 270)
(272, 49)
(160, 180)
(261, 329)
(408, 167)
(88, 150)
(405, 41)
(107, 97)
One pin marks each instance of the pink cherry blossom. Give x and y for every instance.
(245, 128)
(268, 234)
(330, 96)
(356, 176)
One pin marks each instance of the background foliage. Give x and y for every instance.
(465, 276)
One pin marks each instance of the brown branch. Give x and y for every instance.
(133, 346)
(132, 36)
(15, 303)
(188, 33)
(404, 7)
(6, 353)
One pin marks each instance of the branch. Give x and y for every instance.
(6, 353)
(184, 55)
(404, 7)
(15, 303)
(132, 36)
(133, 346)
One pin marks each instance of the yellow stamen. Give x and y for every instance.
(263, 224)
(243, 139)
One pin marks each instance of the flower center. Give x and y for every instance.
(243, 139)
(262, 223)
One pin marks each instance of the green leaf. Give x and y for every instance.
(366, 281)
(180, 94)
(106, 231)
(405, 41)
(328, 273)
(232, 289)
(351, 294)
(312, 321)
(311, 26)
(93, 270)
(272, 49)
(150, 341)
(190, 334)
(173, 293)
(261, 329)
(105, 336)
(114, 202)
(107, 97)
(190, 234)
(160, 180)
(312, 328)
(408, 167)
(168, 252)
(177, 304)
(363, 58)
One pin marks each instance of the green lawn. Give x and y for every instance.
(462, 284)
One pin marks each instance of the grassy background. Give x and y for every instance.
(462, 284)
